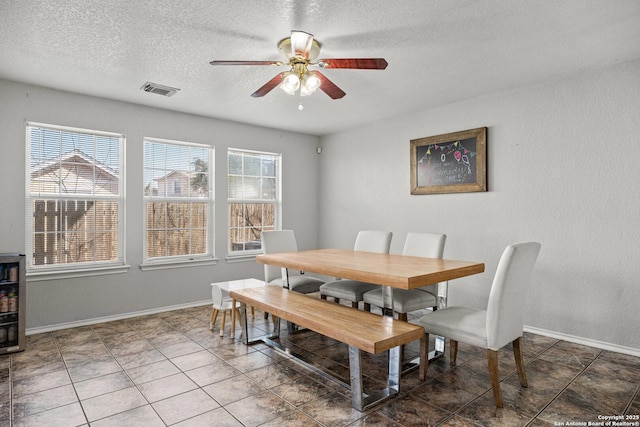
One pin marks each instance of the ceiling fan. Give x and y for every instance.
(300, 51)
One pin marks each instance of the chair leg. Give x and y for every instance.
(402, 316)
(253, 311)
(224, 316)
(517, 353)
(453, 351)
(214, 316)
(492, 362)
(354, 304)
(367, 306)
(324, 297)
(424, 356)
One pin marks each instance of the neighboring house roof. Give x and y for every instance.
(167, 176)
(73, 156)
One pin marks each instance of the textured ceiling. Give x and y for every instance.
(439, 51)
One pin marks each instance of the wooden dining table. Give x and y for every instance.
(391, 271)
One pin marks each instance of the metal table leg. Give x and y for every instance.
(284, 272)
(443, 293)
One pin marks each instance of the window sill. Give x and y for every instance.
(230, 259)
(165, 264)
(36, 276)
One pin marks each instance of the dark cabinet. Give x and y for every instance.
(12, 303)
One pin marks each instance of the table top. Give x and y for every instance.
(398, 271)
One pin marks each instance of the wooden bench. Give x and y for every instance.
(360, 330)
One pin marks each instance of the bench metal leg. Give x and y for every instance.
(355, 374)
(245, 328)
(361, 400)
(395, 370)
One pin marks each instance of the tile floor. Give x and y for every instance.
(169, 369)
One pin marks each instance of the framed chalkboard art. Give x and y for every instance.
(450, 163)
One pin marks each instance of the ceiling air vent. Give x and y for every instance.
(159, 89)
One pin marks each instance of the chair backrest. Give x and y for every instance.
(274, 242)
(373, 241)
(428, 245)
(216, 295)
(508, 294)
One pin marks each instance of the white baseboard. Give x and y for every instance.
(585, 341)
(96, 320)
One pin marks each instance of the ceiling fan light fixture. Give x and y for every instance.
(310, 82)
(291, 83)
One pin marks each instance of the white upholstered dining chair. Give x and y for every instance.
(353, 290)
(500, 324)
(285, 241)
(428, 245)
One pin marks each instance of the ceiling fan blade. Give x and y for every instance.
(269, 86)
(329, 87)
(359, 63)
(301, 43)
(245, 63)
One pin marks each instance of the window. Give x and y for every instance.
(178, 200)
(75, 199)
(254, 198)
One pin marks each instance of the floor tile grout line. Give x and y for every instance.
(578, 375)
(12, 417)
(472, 401)
(633, 398)
(115, 359)
(66, 366)
(179, 369)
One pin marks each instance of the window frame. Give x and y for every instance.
(171, 261)
(83, 268)
(277, 202)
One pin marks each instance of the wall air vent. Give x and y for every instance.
(159, 89)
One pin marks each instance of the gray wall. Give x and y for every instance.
(563, 169)
(64, 302)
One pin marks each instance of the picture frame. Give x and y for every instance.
(449, 163)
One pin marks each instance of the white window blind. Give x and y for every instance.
(253, 197)
(178, 199)
(75, 199)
